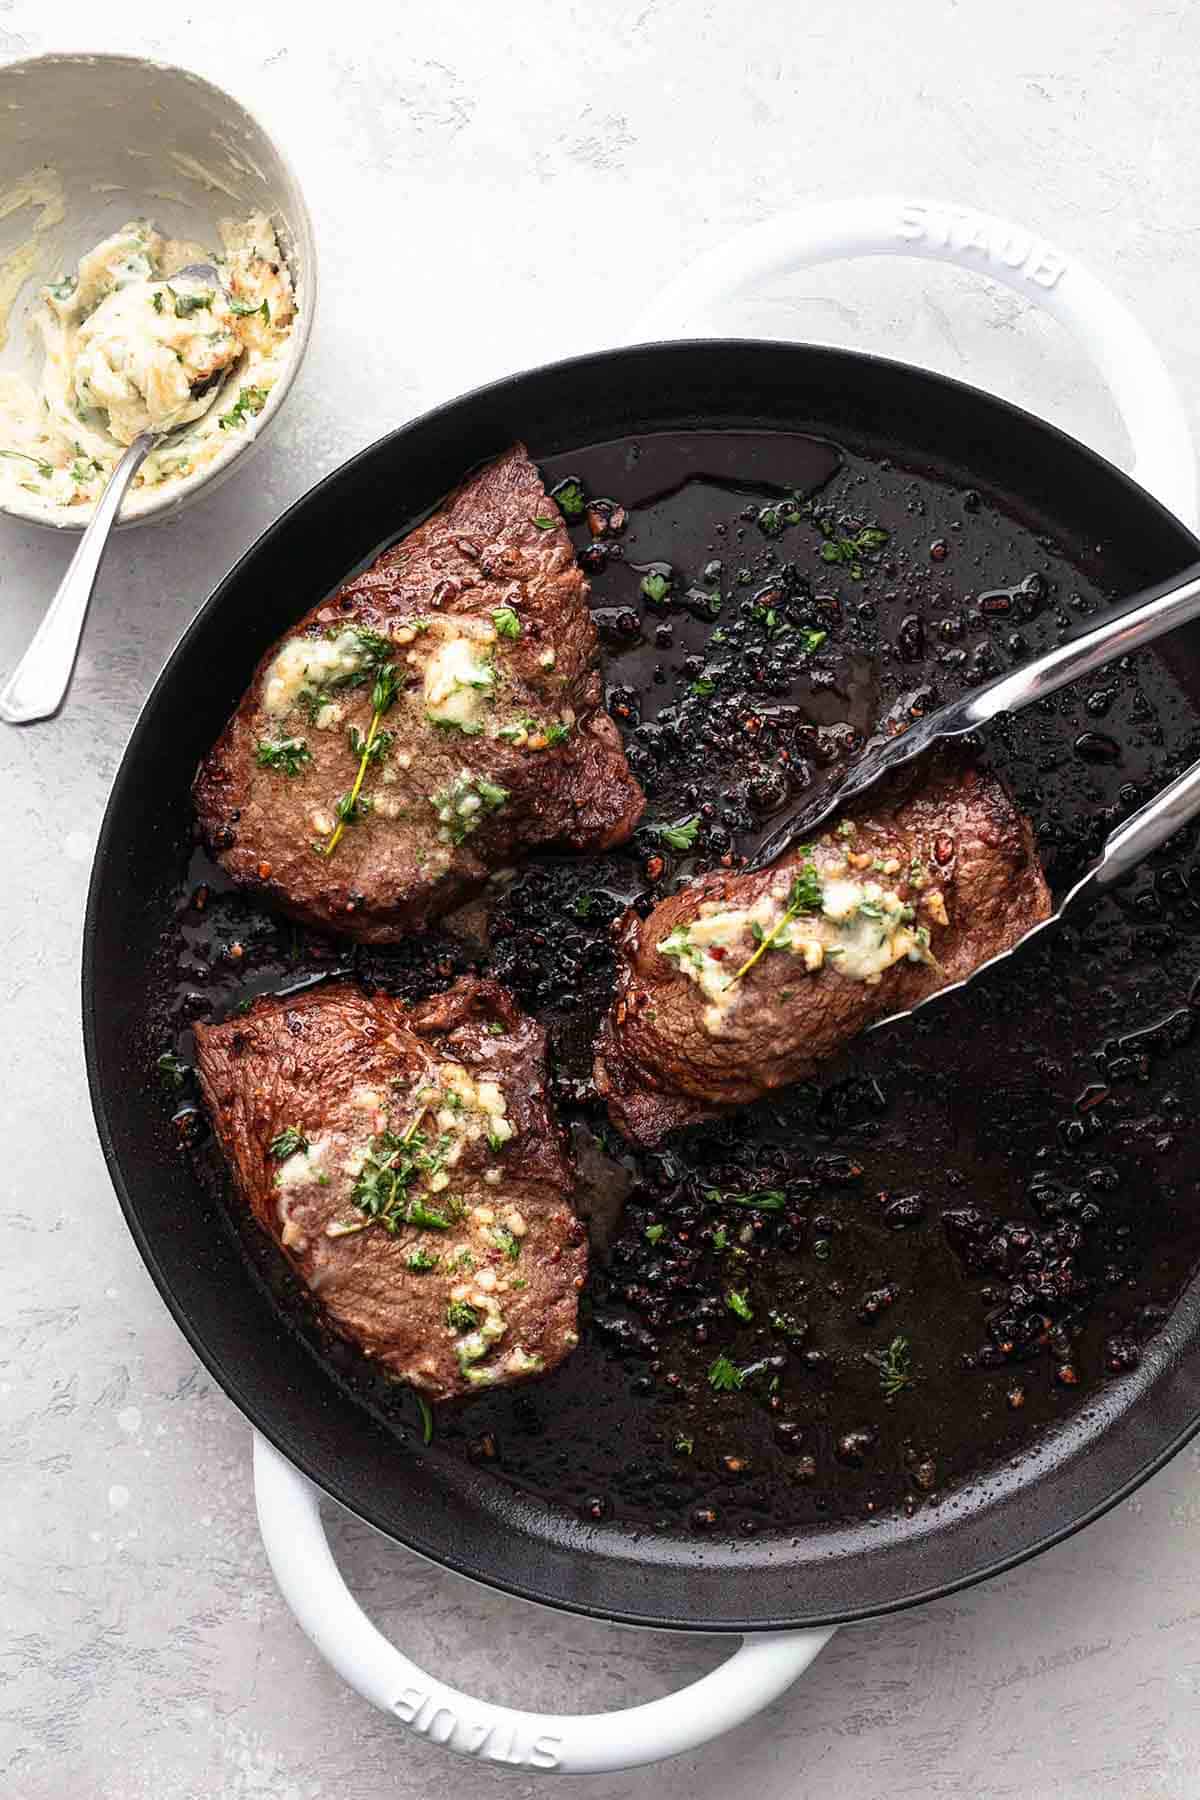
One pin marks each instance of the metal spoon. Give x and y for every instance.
(38, 685)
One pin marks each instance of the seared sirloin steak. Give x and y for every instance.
(433, 721)
(406, 1161)
(740, 984)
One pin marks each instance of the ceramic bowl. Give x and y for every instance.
(91, 141)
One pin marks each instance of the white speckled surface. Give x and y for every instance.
(558, 158)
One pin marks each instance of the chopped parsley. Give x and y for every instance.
(679, 837)
(460, 1317)
(895, 1367)
(766, 1199)
(464, 804)
(520, 729)
(507, 1241)
(249, 402)
(654, 1233)
(569, 497)
(288, 755)
(468, 727)
(526, 730)
(545, 524)
(656, 586)
(811, 639)
(291, 1141)
(419, 1261)
(678, 944)
(850, 551)
(491, 795)
(172, 1070)
(739, 1305)
(583, 905)
(725, 1376)
(245, 309)
(704, 687)
(187, 304)
(683, 1445)
(507, 624)
(423, 1405)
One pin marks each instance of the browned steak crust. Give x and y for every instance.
(660, 1067)
(341, 1068)
(497, 543)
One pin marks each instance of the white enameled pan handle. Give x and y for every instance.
(567, 1744)
(896, 225)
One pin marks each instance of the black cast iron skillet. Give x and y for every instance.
(456, 1514)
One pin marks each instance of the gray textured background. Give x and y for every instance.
(541, 167)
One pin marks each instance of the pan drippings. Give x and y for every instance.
(864, 1294)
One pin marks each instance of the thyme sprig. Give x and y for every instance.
(392, 1164)
(805, 897)
(383, 698)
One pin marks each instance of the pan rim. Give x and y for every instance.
(231, 1379)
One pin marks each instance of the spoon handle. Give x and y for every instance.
(38, 684)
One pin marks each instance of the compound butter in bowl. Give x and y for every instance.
(102, 336)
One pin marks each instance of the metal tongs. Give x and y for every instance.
(1159, 609)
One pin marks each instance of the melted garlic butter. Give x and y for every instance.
(861, 929)
(128, 348)
(308, 665)
(450, 676)
(458, 676)
(461, 1110)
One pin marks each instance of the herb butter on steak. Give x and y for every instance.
(407, 1162)
(740, 984)
(437, 718)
